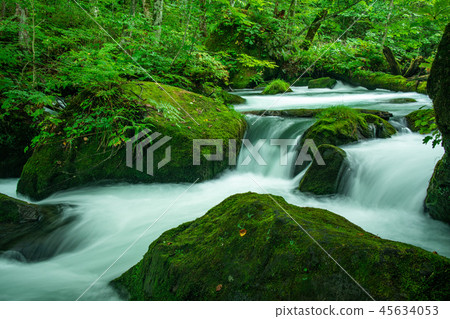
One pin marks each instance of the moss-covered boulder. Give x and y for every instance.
(325, 179)
(25, 227)
(58, 165)
(419, 119)
(437, 202)
(16, 133)
(249, 248)
(322, 83)
(341, 125)
(277, 86)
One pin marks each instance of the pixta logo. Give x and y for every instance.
(145, 147)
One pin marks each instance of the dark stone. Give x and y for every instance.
(325, 179)
(25, 228)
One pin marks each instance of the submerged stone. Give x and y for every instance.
(250, 248)
(322, 83)
(402, 100)
(25, 228)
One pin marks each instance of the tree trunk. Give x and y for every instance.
(291, 10)
(312, 31)
(33, 50)
(145, 8)
(202, 25)
(413, 68)
(232, 3)
(158, 7)
(24, 38)
(383, 40)
(390, 58)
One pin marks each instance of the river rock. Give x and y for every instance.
(322, 83)
(402, 100)
(336, 130)
(277, 86)
(249, 248)
(325, 179)
(437, 201)
(56, 166)
(25, 228)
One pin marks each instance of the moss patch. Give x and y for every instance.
(57, 166)
(342, 125)
(248, 248)
(277, 86)
(386, 81)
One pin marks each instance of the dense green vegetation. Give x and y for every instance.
(51, 51)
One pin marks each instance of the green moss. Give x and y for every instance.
(277, 86)
(243, 78)
(437, 201)
(322, 83)
(381, 80)
(426, 116)
(343, 125)
(58, 166)
(208, 259)
(325, 179)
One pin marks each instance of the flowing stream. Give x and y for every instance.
(383, 192)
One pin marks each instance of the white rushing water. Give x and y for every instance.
(383, 193)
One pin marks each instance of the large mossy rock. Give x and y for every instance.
(16, 133)
(340, 126)
(425, 117)
(322, 83)
(249, 248)
(57, 166)
(277, 86)
(25, 227)
(336, 129)
(325, 179)
(437, 202)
